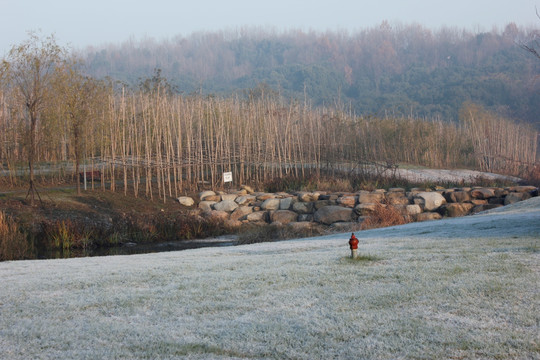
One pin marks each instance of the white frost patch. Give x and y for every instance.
(458, 175)
(457, 288)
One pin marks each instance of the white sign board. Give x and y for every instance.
(227, 177)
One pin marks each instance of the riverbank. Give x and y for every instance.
(463, 288)
(99, 222)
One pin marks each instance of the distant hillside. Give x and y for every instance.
(401, 69)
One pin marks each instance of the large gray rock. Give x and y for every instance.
(321, 203)
(429, 200)
(331, 214)
(241, 212)
(283, 216)
(270, 204)
(285, 203)
(365, 209)
(206, 193)
(413, 209)
(206, 206)
(186, 201)
(227, 206)
(303, 207)
(245, 200)
(305, 217)
(231, 197)
(515, 197)
(258, 216)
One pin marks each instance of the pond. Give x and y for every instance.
(134, 248)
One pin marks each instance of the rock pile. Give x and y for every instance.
(302, 208)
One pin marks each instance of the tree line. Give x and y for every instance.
(404, 70)
(151, 141)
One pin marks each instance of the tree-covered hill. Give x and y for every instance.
(401, 69)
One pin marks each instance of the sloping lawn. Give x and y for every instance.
(464, 288)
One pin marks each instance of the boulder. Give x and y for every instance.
(456, 209)
(305, 217)
(373, 197)
(302, 207)
(522, 189)
(365, 209)
(429, 200)
(480, 208)
(227, 206)
(331, 214)
(216, 198)
(328, 197)
(247, 188)
(206, 206)
(231, 197)
(241, 212)
(344, 226)
(482, 193)
(265, 196)
(347, 201)
(413, 209)
(205, 194)
(186, 201)
(258, 216)
(457, 196)
(245, 199)
(239, 192)
(515, 197)
(270, 204)
(501, 193)
(285, 203)
(396, 198)
(308, 197)
(320, 203)
(427, 216)
(496, 200)
(283, 216)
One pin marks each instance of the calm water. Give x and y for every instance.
(133, 248)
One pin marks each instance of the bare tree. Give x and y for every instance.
(29, 71)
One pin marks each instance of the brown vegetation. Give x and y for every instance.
(384, 216)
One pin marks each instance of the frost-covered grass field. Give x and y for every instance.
(465, 288)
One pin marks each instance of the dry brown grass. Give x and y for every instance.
(384, 216)
(13, 240)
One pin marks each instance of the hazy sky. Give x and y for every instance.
(95, 22)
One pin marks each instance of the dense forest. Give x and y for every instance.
(396, 69)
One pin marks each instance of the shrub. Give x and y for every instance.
(65, 235)
(384, 216)
(14, 244)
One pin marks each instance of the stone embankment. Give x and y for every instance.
(301, 209)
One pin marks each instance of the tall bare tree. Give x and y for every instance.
(28, 71)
